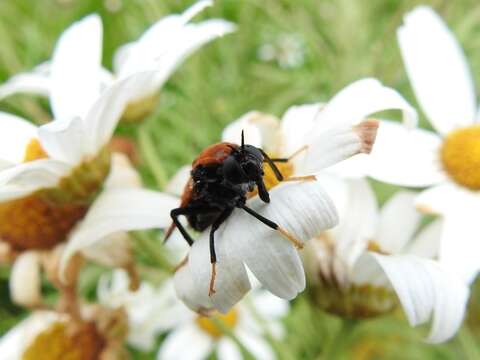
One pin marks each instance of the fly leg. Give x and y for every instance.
(213, 256)
(271, 224)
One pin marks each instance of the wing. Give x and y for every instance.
(214, 154)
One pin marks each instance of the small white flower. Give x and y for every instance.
(286, 49)
(74, 77)
(332, 133)
(448, 163)
(43, 200)
(192, 336)
(356, 267)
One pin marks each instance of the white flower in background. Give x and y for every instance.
(53, 335)
(288, 50)
(192, 336)
(74, 77)
(446, 162)
(151, 310)
(66, 177)
(332, 134)
(357, 268)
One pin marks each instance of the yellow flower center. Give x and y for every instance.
(138, 110)
(34, 151)
(460, 155)
(211, 324)
(58, 343)
(43, 219)
(286, 169)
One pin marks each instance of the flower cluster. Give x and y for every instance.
(306, 218)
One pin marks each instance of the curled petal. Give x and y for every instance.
(426, 291)
(303, 210)
(339, 143)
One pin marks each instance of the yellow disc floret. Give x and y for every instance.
(58, 342)
(34, 151)
(460, 155)
(44, 218)
(213, 325)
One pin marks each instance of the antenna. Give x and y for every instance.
(243, 141)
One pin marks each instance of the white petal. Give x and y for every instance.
(25, 280)
(406, 157)
(231, 281)
(398, 222)
(268, 305)
(76, 68)
(427, 243)
(437, 69)
(256, 345)
(359, 100)
(105, 113)
(177, 183)
(119, 210)
(15, 134)
(302, 209)
(26, 178)
(64, 139)
(29, 83)
(167, 52)
(296, 124)
(260, 129)
(444, 198)
(459, 245)
(122, 173)
(337, 144)
(426, 291)
(187, 342)
(187, 289)
(228, 350)
(16, 340)
(358, 221)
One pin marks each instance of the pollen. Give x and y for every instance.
(57, 342)
(34, 151)
(211, 324)
(460, 156)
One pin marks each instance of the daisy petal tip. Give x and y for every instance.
(367, 132)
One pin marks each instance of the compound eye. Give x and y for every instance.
(232, 170)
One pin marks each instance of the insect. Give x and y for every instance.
(221, 177)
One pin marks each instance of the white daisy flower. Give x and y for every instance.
(329, 136)
(152, 311)
(361, 267)
(446, 162)
(74, 77)
(53, 335)
(65, 197)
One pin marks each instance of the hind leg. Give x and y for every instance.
(213, 256)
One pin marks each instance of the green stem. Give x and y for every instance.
(148, 150)
(339, 343)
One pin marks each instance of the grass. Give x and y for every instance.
(343, 40)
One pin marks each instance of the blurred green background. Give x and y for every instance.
(338, 41)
